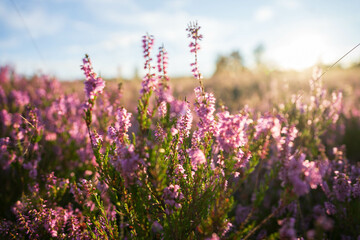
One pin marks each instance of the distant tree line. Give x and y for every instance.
(233, 63)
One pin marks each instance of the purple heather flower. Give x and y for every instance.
(148, 84)
(118, 133)
(330, 208)
(174, 131)
(231, 131)
(148, 43)
(242, 158)
(150, 81)
(193, 33)
(112, 133)
(301, 174)
(32, 167)
(162, 109)
(336, 106)
(285, 143)
(5, 118)
(123, 119)
(162, 61)
(172, 195)
(205, 108)
(164, 95)
(93, 84)
(180, 171)
(159, 133)
(127, 162)
(183, 124)
(19, 98)
(263, 126)
(325, 187)
(342, 186)
(287, 230)
(177, 108)
(51, 181)
(312, 174)
(227, 229)
(197, 157)
(96, 139)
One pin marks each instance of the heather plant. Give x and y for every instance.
(172, 168)
(41, 135)
(171, 182)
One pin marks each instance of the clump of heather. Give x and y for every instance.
(76, 168)
(43, 135)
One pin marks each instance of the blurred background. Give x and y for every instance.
(52, 36)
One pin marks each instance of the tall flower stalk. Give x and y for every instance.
(193, 33)
(94, 85)
(148, 85)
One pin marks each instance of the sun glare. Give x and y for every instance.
(301, 50)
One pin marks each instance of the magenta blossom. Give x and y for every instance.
(127, 162)
(148, 43)
(197, 157)
(118, 133)
(205, 108)
(172, 196)
(93, 84)
(232, 130)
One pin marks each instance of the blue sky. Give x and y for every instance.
(296, 34)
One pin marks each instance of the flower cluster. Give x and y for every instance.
(127, 162)
(93, 84)
(197, 157)
(205, 109)
(176, 169)
(162, 61)
(118, 132)
(232, 130)
(172, 196)
(148, 43)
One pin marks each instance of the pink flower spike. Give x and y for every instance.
(93, 84)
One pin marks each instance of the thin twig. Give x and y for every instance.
(338, 61)
(27, 121)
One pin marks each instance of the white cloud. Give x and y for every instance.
(37, 20)
(263, 14)
(119, 40)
